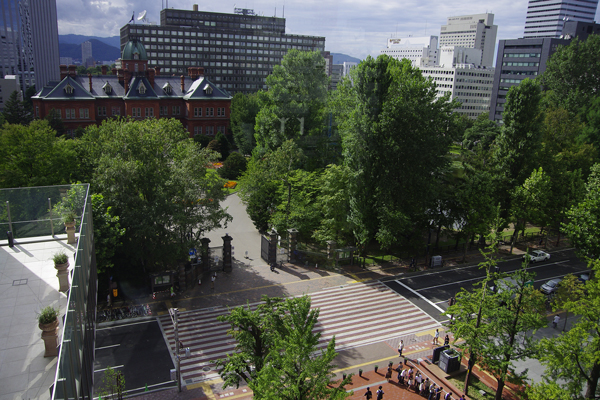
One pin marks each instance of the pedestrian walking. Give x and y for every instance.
(436, 337)
(555, 321)
(400, 347)
(438, 393)
(431, 391)
(212, 280)
(380, 393)
(403, 376)
(388, 374)
(448, 396)
(446, 340)
(426, 385)
(368, 394)
(462, 397)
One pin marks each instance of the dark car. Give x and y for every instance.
(551, 286)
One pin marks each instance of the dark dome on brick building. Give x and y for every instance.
(134, 50)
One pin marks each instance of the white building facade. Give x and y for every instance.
(546, 18)
(476, 31)
(421, 51)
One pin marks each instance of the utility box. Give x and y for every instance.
(436, 261)
(436, 353)
(449, 361)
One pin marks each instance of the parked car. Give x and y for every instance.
(536, 255)
(583, 278)
(551, 286)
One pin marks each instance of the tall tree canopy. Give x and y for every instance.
(396, 135)
(155, 179)
(244, 108)
(295, 100)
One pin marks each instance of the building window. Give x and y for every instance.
(116, 111)
(142, 88)
(210, 111)
(167, 88)
(163, 110)
(149, 112)
(220, 111)
(70, 113)
(107, 88)
(197, 130)
(136, 112)
(69, 89)
(210, 131)
(220, 129)
(84, 113)
(176, 110)
(102, 111)
(197, 111)
(37, 111)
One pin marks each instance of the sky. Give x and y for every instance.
(354, 27)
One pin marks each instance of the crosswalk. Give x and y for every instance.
(357, 315)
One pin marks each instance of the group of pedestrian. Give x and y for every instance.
(414, 381)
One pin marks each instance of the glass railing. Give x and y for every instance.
(34, 214)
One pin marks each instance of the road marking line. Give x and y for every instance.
(149, 386)
(104, 369)
(120, 326)
(421, 296)
(107, 347)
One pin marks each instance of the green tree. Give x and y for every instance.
(243, 111)
(572, 359)
(202, 140)
(55, 122)
(483, 133)
(277, 352)
(155, 179)
(107, 233)
(15, 111)
(223, 145)
(27, 102)
(113, 384)
(396, 136)
(233, 166)
(297, 89)
(583, 224)
(573, 73)
(519, 140)
(33, 156)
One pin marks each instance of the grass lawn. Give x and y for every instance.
(459, 380)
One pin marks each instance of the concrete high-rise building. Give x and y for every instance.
(527, 57)
(237, 51)
(472, 31)
(546, 18)
(29, 41)
(86, 53)
(421, 51)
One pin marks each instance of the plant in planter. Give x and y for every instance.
(61, 263)
(48, 323)
(360, 372)
(68, 218)
(376, 368)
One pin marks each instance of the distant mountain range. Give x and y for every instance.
(339, 58)
(108, 48)
(103, 49)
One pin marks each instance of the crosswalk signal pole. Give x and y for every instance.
(174, 312)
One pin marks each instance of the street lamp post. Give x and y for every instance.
(174, 312)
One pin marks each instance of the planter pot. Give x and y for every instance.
(50, 338)
(63, 276)
(360, 372)
(70, 227)
(376, 368)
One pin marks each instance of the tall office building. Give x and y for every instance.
(29, 41)
(237, 51)
(527, 57)
(472, 31)
(86, 53)
(546, 18)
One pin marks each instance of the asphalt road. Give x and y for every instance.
(136, 347)
(431, 290)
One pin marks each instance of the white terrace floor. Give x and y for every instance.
(28, 283)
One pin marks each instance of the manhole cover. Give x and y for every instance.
(206, 369)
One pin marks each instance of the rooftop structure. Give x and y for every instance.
(421, 51)
(475, 31)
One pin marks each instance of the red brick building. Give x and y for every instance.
(137, 91)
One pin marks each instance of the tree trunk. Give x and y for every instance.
(500, 389)
(558, 239)
(470, 365)
(437, 236)
(592, 385)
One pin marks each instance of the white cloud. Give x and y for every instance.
(354, 27)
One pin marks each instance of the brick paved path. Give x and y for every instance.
(357, 314)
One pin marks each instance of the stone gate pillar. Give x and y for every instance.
(330, 248)
(204, 252)
(272, 246)
(227, 263)
(292, 244)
